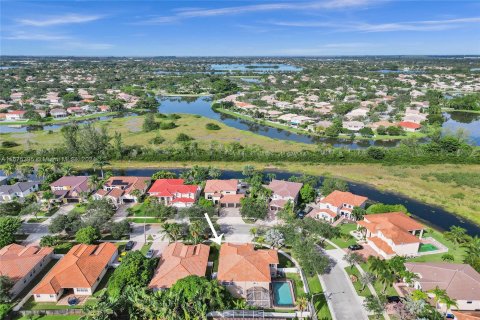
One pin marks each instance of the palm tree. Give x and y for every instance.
(418, 295)
(271, 176)
(366, 279)
(137, 194)
(25, 171)
(441, 296)
(100, 163)
(456, 234)
(195, 229)
(93, 181)
(172, 230)
(214, 173)
(67, 170)
(44, 170)
(302, 304)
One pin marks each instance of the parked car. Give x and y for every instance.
(355, 247)
(150, 253)
(392, 299)
(129, 245)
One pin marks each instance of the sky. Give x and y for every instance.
(239, 28)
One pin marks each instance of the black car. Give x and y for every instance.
(355, 247)
(129, 245)
(393, 299)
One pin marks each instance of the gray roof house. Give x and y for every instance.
(18, 190)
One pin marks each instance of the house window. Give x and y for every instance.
(82, 289)
(469, 302)
(37, 295)
(51, 296)
(24, 280)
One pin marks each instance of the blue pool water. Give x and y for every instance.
(282, 294)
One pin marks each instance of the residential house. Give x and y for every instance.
(79, 272)
(223, 192)
(15, 115)
(174, 192)
(461, 282)
(58, 113)
(70, 188)
(122, 189)
(410, 126)
(179, 261)
(78, 111)
(21, 264)
(353, 125)
(392, 233)
(247, 273)
(337, 204)
(19, 190)
(282, 192)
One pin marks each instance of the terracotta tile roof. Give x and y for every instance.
(231, 198)
(280, 203)
(179, 261)
(17, 261)
(314, 212)
(168, 187)
(241, 262)
(79, 268)
(466, 315)
(221, 185)
(409, 125)
(460, 281)
(394, 225)
(382, 245)
(285, 188)
(339, 198)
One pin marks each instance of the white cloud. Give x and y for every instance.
(79, 45)
(187, 13)
(346, 48)
(21, 35)
(59, 20)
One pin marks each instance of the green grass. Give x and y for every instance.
(297, 283)
(32, 305)
(145, 220)
(145, 248)
(390, 291)
(103, 284)
(284, 262)
(357, 285)
(319, 300)
(457, 251)
(345, 229)
(51, 317)
(80, 208)
(36, 220)
(120, 245)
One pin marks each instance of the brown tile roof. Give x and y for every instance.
(339, 198)
(179, 261)
(466, 315)
(231, 198)
(128, 184)
(79, 268)
(285, 188)
(460, 281)
(17, 261)
(75, 183)
(221, 185)
(394, 225)
(241, 262)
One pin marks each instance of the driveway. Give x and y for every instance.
(122, 213)
(344, 302)
(233, 227)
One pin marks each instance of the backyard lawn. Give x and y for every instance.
(345, 229)
(319, 300)
(457, 251)
(213, 256)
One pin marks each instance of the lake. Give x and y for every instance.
(468, 121)
(431, 215)
(202, 106)
(255, 67)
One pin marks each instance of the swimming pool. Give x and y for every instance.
(282, 294)
(427, 247)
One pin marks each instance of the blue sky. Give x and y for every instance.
(230, 28)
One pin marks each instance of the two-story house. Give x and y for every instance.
(392, 233)
(174, 192)
(122, 189)
(223, 192)
(19, 191)
(282, 192)
(71, 188)
(337, 204)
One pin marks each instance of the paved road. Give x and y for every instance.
(344, 301)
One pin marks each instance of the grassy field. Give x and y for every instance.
(319, 300)
(49, 121)
(345, 229)
(131, 130)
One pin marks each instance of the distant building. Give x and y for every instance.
(410, 126)
(58, 113)
(337, 204)
(15, 115)
(21, 264)
(282, 192)
(179, 261)
(173, 192)
(70, 188)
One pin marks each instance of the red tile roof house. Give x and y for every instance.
(121, 190)
(223, 192)
(76, 111)
(393, 233)
(282, 191)
(79, 272)
(410, 126)
(173, 192)
(247, 273)
(71, 188)
(179, 261)
(21, 264)
(337, 204)
(461, 282)
(15, 115)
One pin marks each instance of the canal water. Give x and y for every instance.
(433, 216)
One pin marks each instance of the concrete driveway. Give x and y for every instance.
(233, 227)
(344, 302)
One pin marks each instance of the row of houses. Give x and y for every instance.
(56, 113)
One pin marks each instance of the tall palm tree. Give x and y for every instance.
(441, 296)
(366, 279)
(456, 234)
(302, 304)
(44, 170)
(417, 295)
(9, 169)
(67, 170)
(195, 229)
(100, 163)
(26, 171)
(93, 181)
(172, 230)
(214, 173)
